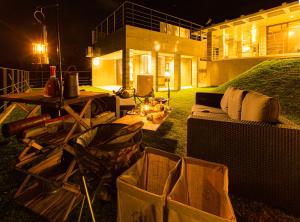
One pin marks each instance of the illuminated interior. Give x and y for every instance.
(165, 71)
(269, 33)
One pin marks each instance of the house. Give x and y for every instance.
(136, 40)
(237, 45)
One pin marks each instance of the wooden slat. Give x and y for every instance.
(7, 112)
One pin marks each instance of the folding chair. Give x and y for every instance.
(144, 87)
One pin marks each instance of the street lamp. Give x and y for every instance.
(167, 76)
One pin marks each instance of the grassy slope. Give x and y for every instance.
(279, 77)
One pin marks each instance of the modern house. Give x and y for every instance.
(136, 40)
(237, 45)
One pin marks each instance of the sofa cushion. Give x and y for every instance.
(201, 108)
(260, 108)
(224, 100)
(235, 100)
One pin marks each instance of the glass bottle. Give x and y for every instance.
(51, 88)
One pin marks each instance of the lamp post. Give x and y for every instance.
(42, 48)
(167, 76)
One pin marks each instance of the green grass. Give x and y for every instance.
(278, 77)
(275, 78)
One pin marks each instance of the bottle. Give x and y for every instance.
(52, 85)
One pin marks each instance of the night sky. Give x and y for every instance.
(79, 17)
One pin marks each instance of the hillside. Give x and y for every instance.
(277, 77)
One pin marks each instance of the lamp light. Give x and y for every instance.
(167, 76)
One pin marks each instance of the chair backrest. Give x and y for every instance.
(144, 85)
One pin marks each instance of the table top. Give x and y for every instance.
(148, 125)
(39, 99)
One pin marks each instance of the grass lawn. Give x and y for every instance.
(278, 77)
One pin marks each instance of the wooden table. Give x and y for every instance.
(38, 99)
(148, 125)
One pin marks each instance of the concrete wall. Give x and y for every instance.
(112, 43)
(219, 72)
(104, 74)
(186, 72)
(143, 39)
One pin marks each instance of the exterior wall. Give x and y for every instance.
(143, 39)
(219, 72)
(194, 72)
(104, 74)
(114, 42)
(186, 71)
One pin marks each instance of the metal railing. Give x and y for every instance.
(130, 13)
(38, 79)
(13, 81)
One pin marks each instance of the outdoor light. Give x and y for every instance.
(40, 53)
(156, 46)
(96, 61)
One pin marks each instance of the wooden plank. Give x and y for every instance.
(77, 118)
(69, 170)
(34, 111)
(40, 99)
(7, 112)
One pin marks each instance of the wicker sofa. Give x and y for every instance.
(263, 158)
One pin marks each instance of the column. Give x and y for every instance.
(194, 72)
(209, 46)
(177, 71)
(125, 68)
(154, 69)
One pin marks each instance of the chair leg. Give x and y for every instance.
(88, 198)
(81, 209)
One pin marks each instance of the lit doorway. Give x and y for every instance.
(165, 69)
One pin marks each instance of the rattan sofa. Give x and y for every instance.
(263, 159)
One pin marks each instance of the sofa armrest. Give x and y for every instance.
(209, 99)
(261, 157)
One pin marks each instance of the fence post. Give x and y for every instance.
(22, 80)
(12, 81)
(4, 79)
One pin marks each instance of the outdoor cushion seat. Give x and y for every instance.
(262, 157)
(201, 108)
(235, 100)
(260, 108)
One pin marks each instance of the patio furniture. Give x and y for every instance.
(144, 88)
(263, 158)
(102, 154)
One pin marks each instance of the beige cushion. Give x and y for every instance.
(235, 100)
(224, 100)
(260, 108)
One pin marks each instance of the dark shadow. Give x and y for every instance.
(157, 140)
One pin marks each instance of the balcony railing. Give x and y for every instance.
(136, 15)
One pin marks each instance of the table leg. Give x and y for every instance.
(78, 118)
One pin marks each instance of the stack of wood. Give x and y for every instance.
(48, 163)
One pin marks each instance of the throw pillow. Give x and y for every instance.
(235, 103)
(224, 100)
(260, 108)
